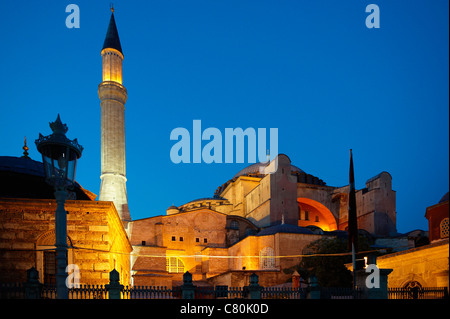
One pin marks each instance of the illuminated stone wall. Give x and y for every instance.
(436, 216)
(181, 236)
(375, 204)
(427, 265)
(95, 231)
(268, 199)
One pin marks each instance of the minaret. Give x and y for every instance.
(113, 96)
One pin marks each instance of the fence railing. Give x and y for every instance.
(284, 293)
(341, 293)
(418, 293)
(19, 291)
(32, 289)
(82, 292)
(12, 291)
(152, 292)
(221, 292)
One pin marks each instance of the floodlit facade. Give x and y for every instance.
(259, 221)
(256, 221)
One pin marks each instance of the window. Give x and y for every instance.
(46, 257)
(444, 228)
(143, 243)
(174, 265)
(306, 215)
(266, 258)
(317, 218)
(173, 238)
(234, 224)
(197, 240)
(205, 240)
(50, 267)
(181, 238)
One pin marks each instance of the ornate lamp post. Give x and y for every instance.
(59, 156)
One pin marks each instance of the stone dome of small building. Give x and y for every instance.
(172, 210)
(22, 177)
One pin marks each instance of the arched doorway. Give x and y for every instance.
(313, 213)
(46, 256)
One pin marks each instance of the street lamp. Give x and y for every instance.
(59, 156)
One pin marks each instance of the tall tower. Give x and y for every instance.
(113, 96)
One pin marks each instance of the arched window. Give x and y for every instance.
(266, 258)
(444, 228)
(174, 265)
(234, 224)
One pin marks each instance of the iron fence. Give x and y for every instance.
(32, 289)
(418, 293)
(151, 292)
(18, 291)
(341, 293)
(284, 293)
(12, 291)
(221, 292)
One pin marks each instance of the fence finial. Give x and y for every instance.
(114, 288)
(32, 286)
(254, 288)
(187, 288)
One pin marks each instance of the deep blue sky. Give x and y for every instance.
(310, 68)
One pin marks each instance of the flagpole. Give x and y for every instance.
(352, 219)
(354, 266)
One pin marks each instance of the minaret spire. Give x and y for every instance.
(113, 96)
(112, 40)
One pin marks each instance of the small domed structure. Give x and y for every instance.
(22, 177)
(172, 210)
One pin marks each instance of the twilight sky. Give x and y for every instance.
(312, 69)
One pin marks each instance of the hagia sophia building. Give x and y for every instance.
(254, 222)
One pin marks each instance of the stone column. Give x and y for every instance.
(254, 288)
(114, 288)
(188, 288)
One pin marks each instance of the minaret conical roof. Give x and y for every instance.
(112, 36)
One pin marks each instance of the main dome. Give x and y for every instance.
(258, 169)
